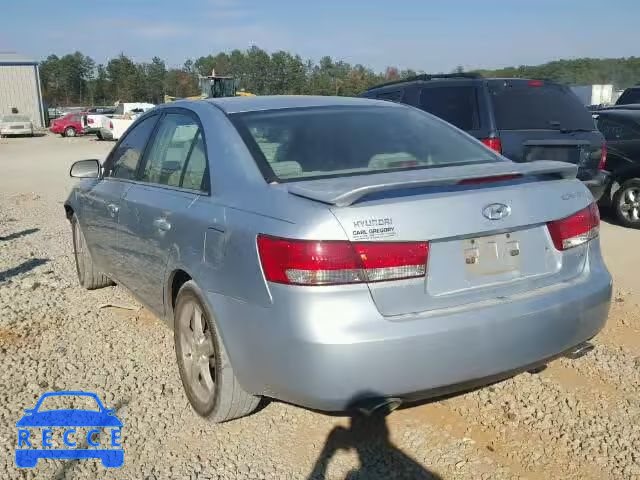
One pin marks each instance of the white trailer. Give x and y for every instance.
(594, 94)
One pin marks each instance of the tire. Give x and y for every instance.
(205, 370)
(626, 203)
(69, 132)
(88, 276)
(99, 135)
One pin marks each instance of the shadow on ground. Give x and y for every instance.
(22, 268)
(23, 233)
(368, 435)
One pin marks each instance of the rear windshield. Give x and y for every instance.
(630, 95)
(521, 106)
(300, 144)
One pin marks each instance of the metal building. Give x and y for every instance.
(20, 87)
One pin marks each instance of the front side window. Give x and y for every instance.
(125, 159)
(299, 144)
(177, 152)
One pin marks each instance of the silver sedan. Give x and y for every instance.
(337, 252)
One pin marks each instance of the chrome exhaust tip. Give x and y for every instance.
(579, 350)
(378, 406)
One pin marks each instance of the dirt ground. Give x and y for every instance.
(577, 419)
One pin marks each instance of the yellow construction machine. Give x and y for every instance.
(214, 86)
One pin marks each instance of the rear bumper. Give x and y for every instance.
(13, 131)
(324, 348)
(598, 184)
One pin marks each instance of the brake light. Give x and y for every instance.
(603, 157)
(495, 178)
(576, 229)
(89, 120)
(312, 262)
(535, 83)
(110, 125)
(493, 144)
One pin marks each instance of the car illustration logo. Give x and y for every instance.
(42, 430)
(496, 211)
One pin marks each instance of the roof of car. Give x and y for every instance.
(624, 106)
(425, 79)
(275, 102)
(620, 111)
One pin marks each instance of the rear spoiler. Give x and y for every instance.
(344, 191)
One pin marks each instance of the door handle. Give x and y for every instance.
(162, 224)
(113, 209)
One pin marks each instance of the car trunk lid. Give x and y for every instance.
(486, 240)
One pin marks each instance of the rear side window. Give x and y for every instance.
(125, 159)
(538, 106)
(394, 96)
(456, 105)
(176, 145)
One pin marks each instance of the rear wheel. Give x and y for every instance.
(99, 135)
(207, 377)
(69, 132)
(626, 203)
(88, 276)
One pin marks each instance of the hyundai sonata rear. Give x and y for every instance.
(441, 264)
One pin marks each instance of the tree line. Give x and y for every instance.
(76, 79)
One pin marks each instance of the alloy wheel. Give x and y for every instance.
(630, 204)
(198, 353)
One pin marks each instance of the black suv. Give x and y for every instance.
(525, 120)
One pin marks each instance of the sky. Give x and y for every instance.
(428, 35)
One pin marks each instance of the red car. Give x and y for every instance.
(68, 126)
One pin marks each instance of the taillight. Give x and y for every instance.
(603, 157)
(535, 83)
(312, 262)
(493, 144)
(576, 229)
(110, 125)
(89, 120)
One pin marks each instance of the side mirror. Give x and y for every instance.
(109, 411)
(29, 410)
(85, 169)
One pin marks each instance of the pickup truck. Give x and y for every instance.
(92, 121)
(112, 128)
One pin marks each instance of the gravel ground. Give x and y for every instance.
(577, 419)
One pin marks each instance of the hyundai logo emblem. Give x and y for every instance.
(496, 211)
